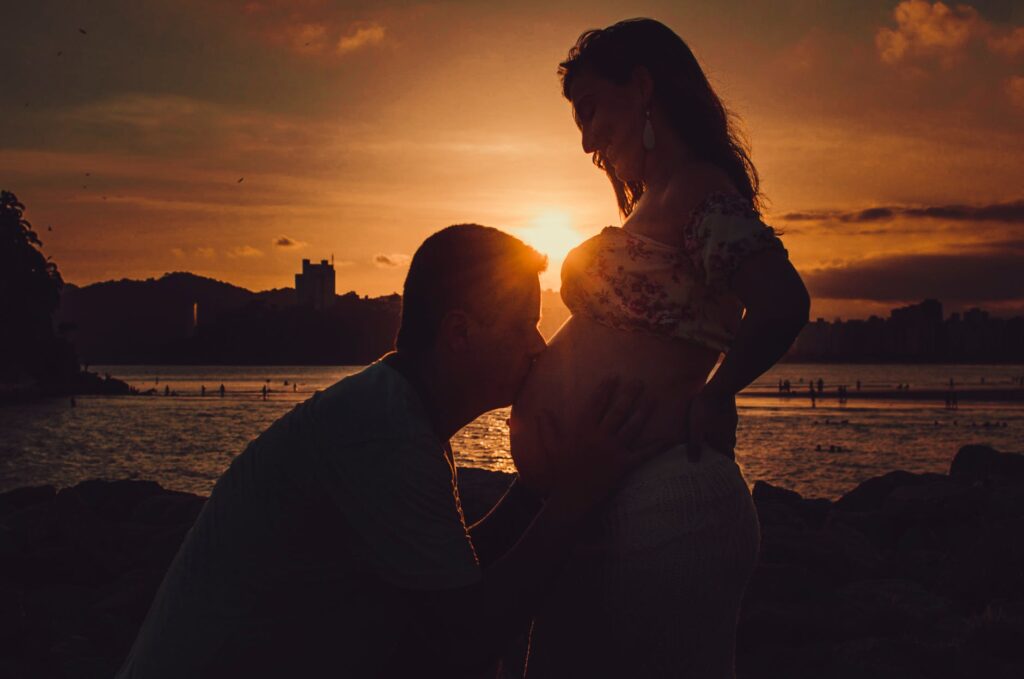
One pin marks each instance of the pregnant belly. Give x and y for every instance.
(578, 359)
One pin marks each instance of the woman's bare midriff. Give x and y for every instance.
(579, 357)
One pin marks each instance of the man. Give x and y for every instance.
(335, 543)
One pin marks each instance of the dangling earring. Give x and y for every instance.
(648, 133)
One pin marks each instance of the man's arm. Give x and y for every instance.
(469, 627)
(505, 523)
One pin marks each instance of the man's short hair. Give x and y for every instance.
(467, 267)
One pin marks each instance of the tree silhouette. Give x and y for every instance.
(30, 288)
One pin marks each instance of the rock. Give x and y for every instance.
(785, 623)
(816, 511)
(766, 492)
(33, 525)
(838, 553)
(113, 500)
(777, 506)
(992, 567)
(778, 514)
(869, 495)
(781, 506)
(981, 463)
(939, 498)
(1006, 501)
(908, 575)
(891, 658)
(883, 530)
(786, 582)
(168, 508)
(896, 607)
(886, 508)
(13, 500)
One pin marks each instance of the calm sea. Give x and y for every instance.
(185, 440)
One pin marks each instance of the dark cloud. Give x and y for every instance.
(973, 275)
(391, 261)
(1012, 212)
(286, 242)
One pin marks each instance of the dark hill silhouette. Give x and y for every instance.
(130, 321)
(184, 318)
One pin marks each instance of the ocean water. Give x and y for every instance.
(185, 440)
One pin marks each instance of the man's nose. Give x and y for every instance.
(539, 345)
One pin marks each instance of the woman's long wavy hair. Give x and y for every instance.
(680, 86)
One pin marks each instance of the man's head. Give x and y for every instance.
(471, 304)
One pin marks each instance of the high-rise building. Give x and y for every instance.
(315, 285)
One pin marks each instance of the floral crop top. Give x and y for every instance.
(632, 282)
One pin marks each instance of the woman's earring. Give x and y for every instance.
(648, 133)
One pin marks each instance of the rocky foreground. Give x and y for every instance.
(908, 575)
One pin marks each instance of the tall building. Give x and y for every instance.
(315, 285)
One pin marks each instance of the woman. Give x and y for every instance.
(655, 583)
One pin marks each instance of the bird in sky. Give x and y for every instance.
(240, 179)
(82, 31)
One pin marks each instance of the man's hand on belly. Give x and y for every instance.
(587, 459)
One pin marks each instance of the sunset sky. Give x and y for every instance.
(232, 139)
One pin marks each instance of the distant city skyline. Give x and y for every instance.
(232, 138)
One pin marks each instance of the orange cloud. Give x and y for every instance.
(1015, 90)
(926, 30)
(392, 261)
(1009, 43)
(202, 252)
(244, 251)
(362, 36)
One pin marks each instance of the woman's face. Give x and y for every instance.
(611, 118)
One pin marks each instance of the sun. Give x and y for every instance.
(551, 233)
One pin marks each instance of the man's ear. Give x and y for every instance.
(453, 333)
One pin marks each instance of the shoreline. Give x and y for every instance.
(911, 575)
(83, 383)
(989, 395)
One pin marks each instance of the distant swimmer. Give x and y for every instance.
(202, 390)
(222, 390)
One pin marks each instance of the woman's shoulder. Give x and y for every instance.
(707, 189)
(699, 181)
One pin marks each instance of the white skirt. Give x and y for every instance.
(654, 584)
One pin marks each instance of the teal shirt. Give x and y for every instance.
(315, 529)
